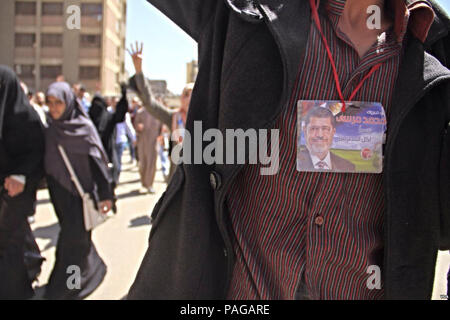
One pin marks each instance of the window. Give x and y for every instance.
(50, 72)
(91, 9)
(89, 73)
(52, 9)
(25, 39)
(90, 41)
(52, 40)
(25, 8)
(24, 70)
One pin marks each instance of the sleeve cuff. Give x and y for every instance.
(19, 178)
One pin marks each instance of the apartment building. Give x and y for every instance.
(82, 40)
(191, 71)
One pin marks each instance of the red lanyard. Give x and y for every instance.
(315, 16)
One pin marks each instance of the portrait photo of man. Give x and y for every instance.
(319, 130)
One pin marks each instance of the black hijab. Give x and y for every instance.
(99, 113)
(21, 132)
(75, 132)
(12, 98)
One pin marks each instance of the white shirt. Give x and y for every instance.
(41, 112)
(124, 130)
(327, 161)
(19, 178)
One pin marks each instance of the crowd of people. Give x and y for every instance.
(35, 131)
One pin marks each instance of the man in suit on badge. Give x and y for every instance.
(319, 131)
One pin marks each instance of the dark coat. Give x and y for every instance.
(21, 140)
(249, 56)
(21, 153)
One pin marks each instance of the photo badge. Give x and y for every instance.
(330, 140)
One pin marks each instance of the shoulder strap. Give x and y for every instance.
(69, 167)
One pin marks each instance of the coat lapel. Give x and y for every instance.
(418, 72)
(287, 21)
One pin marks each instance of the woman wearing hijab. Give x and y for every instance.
(21, 153)
(71, 128)
(106, 122)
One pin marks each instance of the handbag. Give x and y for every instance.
(92, 216)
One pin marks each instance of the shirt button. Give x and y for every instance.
(319, 221)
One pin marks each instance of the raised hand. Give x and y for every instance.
(136, 55)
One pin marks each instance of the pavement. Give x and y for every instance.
(122, 240)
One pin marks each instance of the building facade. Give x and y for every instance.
(81, 40)
(191, 71)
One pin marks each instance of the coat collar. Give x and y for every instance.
(289, 22)
(282, 18)
(425, 24)
(440, 27)
(418, 73)
(291, 34)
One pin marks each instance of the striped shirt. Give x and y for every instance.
(322, 228)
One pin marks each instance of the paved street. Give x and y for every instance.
(122, 240)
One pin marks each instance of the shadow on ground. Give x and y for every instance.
(129, 182)
(48, 233)
(43, 201)
(140, 221)
(134, 193)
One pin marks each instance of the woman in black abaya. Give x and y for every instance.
(71, 128)
(21, 153)
(106, 122)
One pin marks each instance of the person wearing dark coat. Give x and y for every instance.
(21, 154)
(105, 122)
(250, 57)
(71, 128)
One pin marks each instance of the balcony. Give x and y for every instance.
(90, 53)
(24, 21)
(24, 52)
(91, 22)
(52, 21)
(52, 52)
